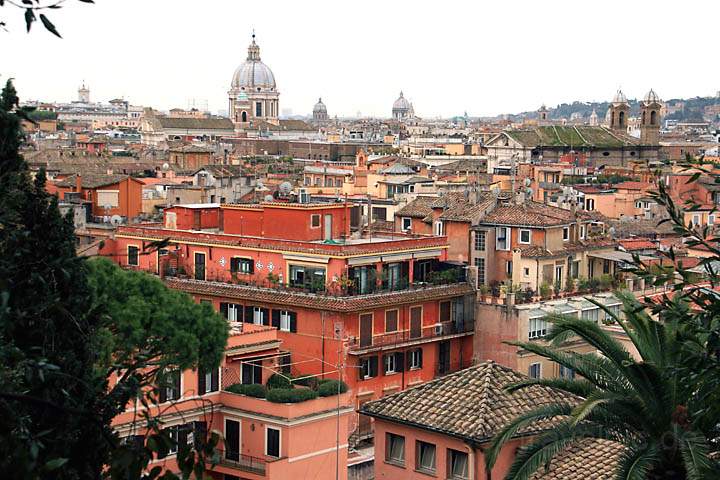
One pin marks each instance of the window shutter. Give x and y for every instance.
(373, 366)
(182, 436)
(249, 314)
(293, 322)
(163, 394)
(408, 360)
(215, 380)
(361, 370)
(199, 434)
(266, 316)
(257, 373)
(276, 318)
(252, 266)
(224, 310)
(420, 353)
(384, 360)
(202, 388)
(399, 360)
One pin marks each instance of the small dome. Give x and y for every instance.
(253, 74)
(402, 103)
(319, 107)
(652, 97)
(619, 97)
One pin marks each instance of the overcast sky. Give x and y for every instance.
(483, 57)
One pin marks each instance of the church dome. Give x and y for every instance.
(253, 74)
(652, 97)
(619, 97)
(319, 107)
(401, 104)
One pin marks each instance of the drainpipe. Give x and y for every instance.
(471, 462)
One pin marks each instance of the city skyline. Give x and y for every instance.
(165, 57)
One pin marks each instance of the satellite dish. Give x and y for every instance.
(259, 184)
(116, 219)
(285, 188)
(165, 166)
(527, 182)
(269, 198)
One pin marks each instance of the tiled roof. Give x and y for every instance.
(634, 186)
(92, 180)
(421, 207)
(471, 404)
(196, 123)
(317, 300)
(571, 136)
(529, 214)
(588, 459)
(190, 149)
(592, 216)
(631, 244)
(457, 207)
(223, 170)
(536, 251)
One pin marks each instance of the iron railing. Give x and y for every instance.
(438, 330)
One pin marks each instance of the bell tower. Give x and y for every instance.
(650, 119)
(619, 112)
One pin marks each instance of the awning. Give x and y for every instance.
(617, 256)
(428, 254)
(354, 261)
(302, 258)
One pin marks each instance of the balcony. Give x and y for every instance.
(391, 340)
(246, 463)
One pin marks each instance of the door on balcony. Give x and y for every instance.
(197, 220)
(199, 266)
(444, 357)
(415, 322)
(366, 329)
(328, 227)
(232, 439)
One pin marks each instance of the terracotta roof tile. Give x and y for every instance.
(471, 404)
(530, 214)
(457, 207)
(421, 207)
(588, 459)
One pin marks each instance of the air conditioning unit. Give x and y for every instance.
(438, 329)
(304, 196)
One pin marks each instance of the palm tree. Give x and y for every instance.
(639, 403)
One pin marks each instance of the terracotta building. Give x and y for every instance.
(387, 309)
(260, 439)
(440, 429)
(110, 194)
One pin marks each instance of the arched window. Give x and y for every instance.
(244, 116)
(653, 117)
(621, 119)
(643, 117)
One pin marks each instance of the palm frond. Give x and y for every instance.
(694, 450)
(579, 387)
(637, 461)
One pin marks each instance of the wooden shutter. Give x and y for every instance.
(163, 394)
(415, 322)
(408, 360)
(249, 314)
(399, 361)
(420, 353)
(232, 439)
(199, 434)
(361, 370)
(252, 266)
(384, 362)
(293, 322)
(201, 382)
(257, 372)
(266, 316)
(444, 311)
(276, 318)
(215, 380)
(224, 310)
(176, 384)
(374, 366)
(366, 329)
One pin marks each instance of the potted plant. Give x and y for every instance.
(484, 291)
(545, 291)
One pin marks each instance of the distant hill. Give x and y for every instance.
(692, 112)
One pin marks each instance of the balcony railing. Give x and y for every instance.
(243, 462)
(335, 288)
(438, 330)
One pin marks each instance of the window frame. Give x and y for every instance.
(540, 327)
(279, 448)
(532, 366)
(285, 319)
(404, 227)
(419, 444)
(506, 243)
(415, 359)
(397, 318)
(566, 234)
(520, 236)
(244, 265)
(313, 218)
(137, 256)
(389, 436)
(451, 475)
(480, 240)
(390, 360)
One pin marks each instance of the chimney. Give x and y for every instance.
(78, 183)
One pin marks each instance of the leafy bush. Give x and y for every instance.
(307, 381)
(290, 395)
(545, 291)
(327, 388)
(278, 381)
(251, 390)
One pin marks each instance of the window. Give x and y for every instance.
(537, 327)
(508, 268)
(395, 449)
(258, 109)
(457, 464)
(480, 241)
(241, 265)
(591, 314)
(133, 255)
(526, 271)
(445, 311)
(558, 274)
(406, 223)
(251, 372)
(589, 204)
(307, 277)
(696, 220)
(566, 234)
(284, 320)
(480, 265)
(272, 442)
(315, 221)
(502, 238)
(525, 236)
(173, 434)
(391, 320)
(232, 439)
(711, 219)
(170, 386)
(258, 315)
(535, 370)
(368, 367)
(425, 457)
(390, 362)
(439, 228)
(582, 232)
(415, 359)
(232, 312)
(615, 310)
(566, 372)
(208, 381)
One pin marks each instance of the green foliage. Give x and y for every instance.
(278, 381)
(328, 388)
(295, 395)
(251, 390)
(545, 291)
(307, 381)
